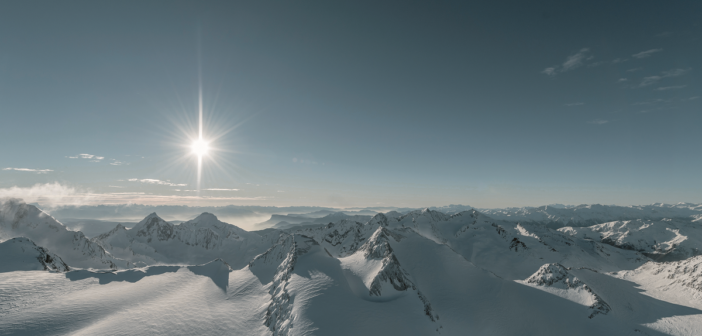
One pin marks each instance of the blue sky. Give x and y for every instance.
(401, 103)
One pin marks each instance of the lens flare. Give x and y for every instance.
(200, 147)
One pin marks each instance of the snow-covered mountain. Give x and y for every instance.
(18, 219)
(155, 241)
(421, 272)
(21, 254)
(591, 214)
(661, 240)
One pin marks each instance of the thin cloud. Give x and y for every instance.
(549, 71)
(664, 74)
(91, 157)
(48, 194)
(647, 53)
(572, 62)
(56, 194)
(634, 69)
(693, 98)
(221, 189)
(118, 163)
(159, 182)
(575, 104)
(622, 80)
(666, 88)
(598, 121)
(38, 171)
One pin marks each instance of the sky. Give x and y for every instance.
(352, 104)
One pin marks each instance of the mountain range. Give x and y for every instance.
(577, 270)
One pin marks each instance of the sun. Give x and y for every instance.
(200, 147)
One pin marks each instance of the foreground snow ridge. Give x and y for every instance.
(420, 272)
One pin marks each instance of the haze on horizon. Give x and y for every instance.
(361, 104)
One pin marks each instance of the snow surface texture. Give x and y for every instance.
(421, 272)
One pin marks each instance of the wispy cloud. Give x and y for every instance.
(56, 194)
(38, 171)
(693, 98)
(572, 62)
(634, 69)
(575, 104)
(622, 80)
(646, 53)
(665, 74)
(549, 71)
(666, 88)
(221, 189)
(159, 182)
(598, 121)
(118, 163)
(91, 157)
(49, 194)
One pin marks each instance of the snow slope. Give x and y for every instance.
(18, 219)
(21, 254)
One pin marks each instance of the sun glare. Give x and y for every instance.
(200, 147)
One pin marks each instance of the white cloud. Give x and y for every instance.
(646, 53)
(549, 71)
(650, 80)
(666, 88)
(664, 74)
(118, 163)
(676, 72)
(49, 194)
(111, 186)
(598, 121)
(38, 171)
(159, 182)
(575, 104)
(222, 189)
(574, 61)
(91, 157)
(622, 80)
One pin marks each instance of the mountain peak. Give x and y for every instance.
(206, 216)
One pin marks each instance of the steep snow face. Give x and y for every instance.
(556, 279)
(381, 276)
(200, 240)
(21, 254)
(342, 238)
(661, 240)
(668, 275)
(511, 250)
(591, 214)
(18, 219)
(310, 294)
